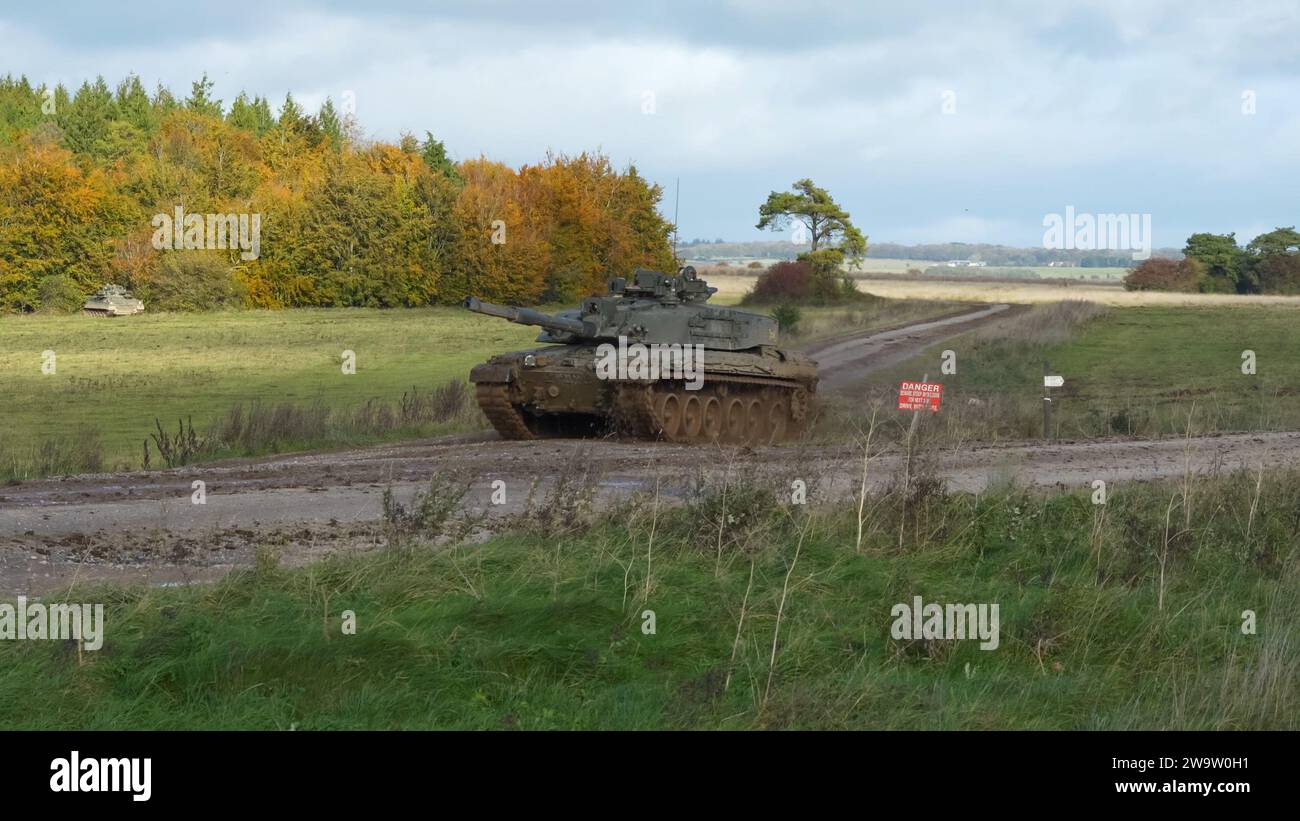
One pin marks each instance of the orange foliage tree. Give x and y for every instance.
(342, 221)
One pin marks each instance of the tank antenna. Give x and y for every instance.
(677, 202)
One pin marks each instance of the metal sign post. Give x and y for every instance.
(1049, 381)
(916, 415)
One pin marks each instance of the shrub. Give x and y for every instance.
(1279, 274)
(432, 514)
(1157, 274)
(754, 264)
(195, 281)
(788, 316)
(783, 282)
(59, 294)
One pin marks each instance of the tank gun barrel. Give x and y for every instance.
(525, 316)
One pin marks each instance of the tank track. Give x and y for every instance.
(494, 400)
(727, 410)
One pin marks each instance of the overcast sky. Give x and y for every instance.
(1110, 107)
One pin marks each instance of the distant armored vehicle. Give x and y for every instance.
(112, 300)
(649, 360)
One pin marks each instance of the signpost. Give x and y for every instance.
(919, 396)
(1050, 380)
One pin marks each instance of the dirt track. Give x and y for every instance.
(143, 526)
(845, 360)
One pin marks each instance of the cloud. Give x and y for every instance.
(1111, 106)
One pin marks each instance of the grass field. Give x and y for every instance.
(1040, 292)
(1029, 272)
(114, 378)
(708, 268)
(766, 615)
(1134, 371)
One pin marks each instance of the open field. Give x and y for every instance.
(1030, 292)
(1026, 292)
(114, 377)
(1151, 371)
(709, 267)
(1134, 372)
(1027, 272)
(873, 266)
(765, 615)
(822, 322)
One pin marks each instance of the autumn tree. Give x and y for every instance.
(343, 221)
(503, 251)
(58, 220)
(602, 223)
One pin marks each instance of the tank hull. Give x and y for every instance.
(112, 301)
(756, 396)
(110, 310)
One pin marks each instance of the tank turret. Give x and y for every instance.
(651, 308)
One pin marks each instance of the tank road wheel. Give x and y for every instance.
(692, 418)
(777, 417)
(713, 422)
(735, 419)
(670, 416)
(755, 424)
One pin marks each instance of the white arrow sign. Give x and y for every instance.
(1053, 381)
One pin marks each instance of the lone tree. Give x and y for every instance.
(831, 235)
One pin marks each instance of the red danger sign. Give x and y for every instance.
(919, 396)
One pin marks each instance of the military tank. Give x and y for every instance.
(112, 300)
(650, 359)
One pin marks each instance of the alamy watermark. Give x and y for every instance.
(952, 621)
(208, 232)
(1093, 232)
(651, 362)
(53, 622)
(77, 774)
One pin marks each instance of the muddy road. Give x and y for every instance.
(844, 361)
(146, 527)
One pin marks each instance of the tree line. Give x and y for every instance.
(1216, 264)
(87, 178)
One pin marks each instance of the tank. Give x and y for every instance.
(650, 360)
(112, 300)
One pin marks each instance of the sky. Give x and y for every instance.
(928, 122)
